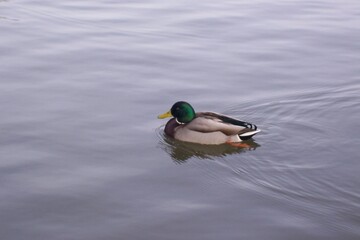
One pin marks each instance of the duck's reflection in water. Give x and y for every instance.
(180, 151)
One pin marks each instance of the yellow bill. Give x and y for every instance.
(165, 115)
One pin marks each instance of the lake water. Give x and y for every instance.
(83, 155)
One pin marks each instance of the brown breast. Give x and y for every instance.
(170, 127)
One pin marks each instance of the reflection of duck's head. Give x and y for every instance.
(205, 127)
(182, 151)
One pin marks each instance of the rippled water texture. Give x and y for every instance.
(84, 157)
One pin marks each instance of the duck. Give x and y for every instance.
(208, 128)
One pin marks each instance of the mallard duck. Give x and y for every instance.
(205, 127)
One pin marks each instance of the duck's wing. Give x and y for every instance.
(213, 122)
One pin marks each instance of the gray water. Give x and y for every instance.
(84, 157)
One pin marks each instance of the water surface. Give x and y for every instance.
(84, 157)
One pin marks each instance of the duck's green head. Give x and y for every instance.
(182, 111)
